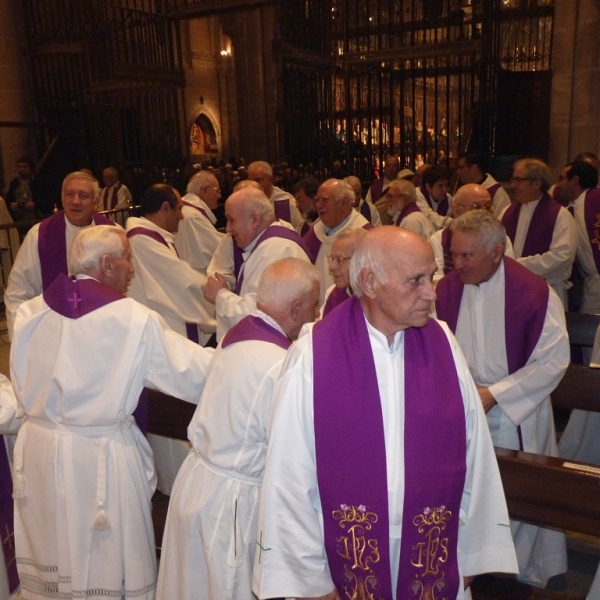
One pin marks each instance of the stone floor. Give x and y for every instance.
(584, 551)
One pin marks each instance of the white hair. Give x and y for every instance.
(91, 244)
(87, 177)
(261, 165)
(366, 256)
(353, 235)
(403, 186)
(285, 281)
(254, 200)
(198, 181)
(482, 223)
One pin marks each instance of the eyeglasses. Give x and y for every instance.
(338, 260)
(212, 187)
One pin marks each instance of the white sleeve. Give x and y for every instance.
(11, 414)
(438, 221)
(25, 279)
(175, 365)
(522, 392)
(375, 218)
(295, 215)
(501, 202)
(223, 262)
(562, 250)
(197, 239)
(436, 243)
(172, 283)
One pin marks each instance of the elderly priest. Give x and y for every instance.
(392, 488)
(84, 475)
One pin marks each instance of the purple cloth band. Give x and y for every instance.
(282, 210)
(337, 296)
(191, 329)
(408, 210)
(525, 306)
(591, 213)
(198, 208)
(75, 298)
(52, 245)
(493, 189)
(274, 231)
(376, 191)
(351, 459)
(365, 211)
(541, 227)
(7, 527)
(253, 328)
(442, 208)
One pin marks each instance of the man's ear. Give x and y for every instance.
(367, 283)
(295, 309)
(106, 264)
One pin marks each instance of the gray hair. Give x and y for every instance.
(341, 190)
(247, 183)
(262, 165)
(354, 235)
(285, 281)
(403, 186)
(198, 181)
(482, 223)
(87, 177)
(536, 169)
(366, 256)
(91, 244)
(254, 200)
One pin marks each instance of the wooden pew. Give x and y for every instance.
(582, 331)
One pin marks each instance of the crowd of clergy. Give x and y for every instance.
(353, 361)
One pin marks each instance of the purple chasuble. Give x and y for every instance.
(198, 208)
(351, 460)
(591, 213)
(282, 210)
(7, 524)
(446, 241)
(191, 329)
(274, 231)
(313, 243)
(408, 210)
(442, 208)
(252, 328)
(541, 227)
(337, 296)
(52, 245)
(376, 191)
(365, 211)
(525, 306)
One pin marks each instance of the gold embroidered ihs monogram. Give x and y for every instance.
(360, 552)
(429, 555)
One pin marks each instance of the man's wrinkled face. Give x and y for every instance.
(78, 201)
(525, 188)
(211, 192)
(339, 262)
(473, 262)
(304, 203)
(239, 224)
(332, 210)
(438, 190)
(391, 168)
(466, 173)
(397, 202)
(265, 181)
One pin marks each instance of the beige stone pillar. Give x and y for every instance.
(15, 93)
(575, 109)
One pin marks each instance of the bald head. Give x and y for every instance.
(391, 272)
(288, 291)
(471, 196)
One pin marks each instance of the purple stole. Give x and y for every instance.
(337, 296)
(282, 210)
(313, 243)
(365, 211)
(442, 208)
(591, 213)
(525, 306)
(411, 208)
(541, 228)
(190, 328)
(252, 328)
(376, 192)
(201, 210)
(52, 245)
(351, 460)
(305, 229)
(113, 198)
(493, 189)
(446, 240)
(273, 231)
(7, 525)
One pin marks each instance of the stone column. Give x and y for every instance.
(575, 109)
(15, 93)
